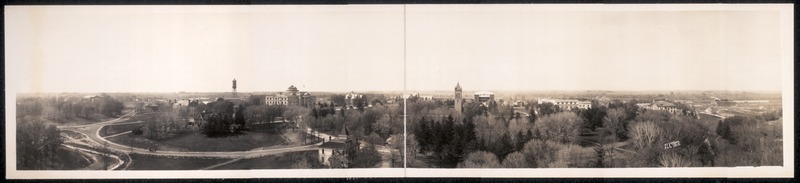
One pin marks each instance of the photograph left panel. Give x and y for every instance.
(140, 89)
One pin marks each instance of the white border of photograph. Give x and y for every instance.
(786, 11)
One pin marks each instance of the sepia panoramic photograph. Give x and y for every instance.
(399, 91)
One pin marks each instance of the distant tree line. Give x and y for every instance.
(59, 109)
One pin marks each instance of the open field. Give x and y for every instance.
(70, 160)
(95, 118)
(147, 162)
(709, 122)
(196, 141)
(115, 129)
(281, 161)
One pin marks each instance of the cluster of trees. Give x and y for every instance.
(649, 132)
(552, 138)
(37, 144)
(357, 103)
(58, 109)
(748, 141)
(772, 115)
(163, 125)
(535, 153)
(224, 119)
(263, 113)
(355, 155)
(370, 126)
(446, 139)
(305, 161)
(549, 142)
(322, 110)
(380, 121)
(555, 143)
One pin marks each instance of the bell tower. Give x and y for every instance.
(458, 104)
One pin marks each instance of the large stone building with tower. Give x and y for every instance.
(292, 97)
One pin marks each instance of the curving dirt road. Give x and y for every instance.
(92, 132)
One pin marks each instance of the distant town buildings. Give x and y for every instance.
(351, 99)
(426, 97)
(567, 104)
(603, 101)
(520, 103)
(181, 103)
(484, 96)
(661, 106)
(90, 97)
(293, 97)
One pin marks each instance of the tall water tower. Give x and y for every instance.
(234, 87)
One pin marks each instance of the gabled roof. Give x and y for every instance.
(664, 104)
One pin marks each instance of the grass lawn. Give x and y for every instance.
(94, 118)
(70, 160)
(588, 139)
(145, 116)
(72, 134)
(115, 129)
(147, 162)
(196, 141)
(709, 122)
(280, 161)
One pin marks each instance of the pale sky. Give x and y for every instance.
(516, 48)
(203, 48)
(344, 48)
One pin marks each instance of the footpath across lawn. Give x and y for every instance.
(196, 141)
(279, 161)
(148, 162)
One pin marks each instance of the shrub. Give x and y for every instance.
(480, 159)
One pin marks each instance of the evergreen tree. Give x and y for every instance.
(601, 156)
(722, 130)
(423, 136)
(239, 117)
(503, 146)
(520, 141)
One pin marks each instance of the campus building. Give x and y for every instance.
(484, 96)
(351, 98)
(333, 145)
(293, 97)
(567, 104)
(661, 106)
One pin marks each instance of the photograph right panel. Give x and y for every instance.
(517, 86)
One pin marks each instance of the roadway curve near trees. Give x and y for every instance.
(92, 132)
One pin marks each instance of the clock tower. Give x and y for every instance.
(459, 101)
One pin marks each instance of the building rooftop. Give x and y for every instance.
(664, 104)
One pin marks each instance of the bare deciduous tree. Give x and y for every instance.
(644, 134)
(563, 127)
(480, 159)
